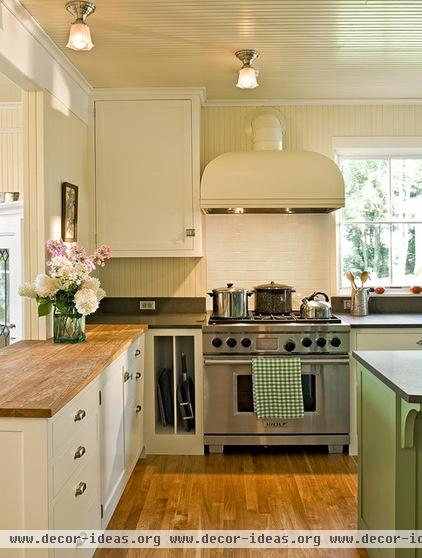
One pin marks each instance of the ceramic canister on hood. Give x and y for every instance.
(273, 298)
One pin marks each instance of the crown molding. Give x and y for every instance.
(38, 33)
(116, 93)
(11, 105)
(310, 102)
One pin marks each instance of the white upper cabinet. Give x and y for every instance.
(147, 176)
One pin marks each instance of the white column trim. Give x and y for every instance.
(34, 192)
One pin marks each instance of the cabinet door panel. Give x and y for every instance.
(144, 182)
(112, 431)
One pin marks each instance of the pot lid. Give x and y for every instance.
(273, 287)
(230, 288)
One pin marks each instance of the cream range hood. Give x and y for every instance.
(268, 179)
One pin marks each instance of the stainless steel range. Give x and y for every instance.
(230, 345)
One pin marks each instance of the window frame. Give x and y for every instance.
(371, 148)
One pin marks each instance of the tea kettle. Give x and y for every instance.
(312, 307)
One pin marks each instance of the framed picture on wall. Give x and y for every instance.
(69, 212)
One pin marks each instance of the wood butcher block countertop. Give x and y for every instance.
(38, 378)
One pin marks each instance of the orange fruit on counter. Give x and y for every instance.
(416, 289)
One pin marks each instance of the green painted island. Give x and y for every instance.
(390, 444)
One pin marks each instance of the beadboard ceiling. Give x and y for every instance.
(310, 49)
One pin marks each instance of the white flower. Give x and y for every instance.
(100, 294)
(92, 283)
(86, 301)
(28, 290)
(46, 286)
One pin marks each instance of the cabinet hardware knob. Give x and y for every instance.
(138, 352)
(138, 408)
(80, 489)
(419, 342)
(81, 414)
(138, 376)
(79, 452)
(126, 376)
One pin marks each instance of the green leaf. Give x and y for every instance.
(62, 306)
(44, 306)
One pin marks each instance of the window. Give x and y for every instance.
(380, 228)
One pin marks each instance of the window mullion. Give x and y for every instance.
(391, 224)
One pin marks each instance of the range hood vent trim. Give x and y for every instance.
(272, 181)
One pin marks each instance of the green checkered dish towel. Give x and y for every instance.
(277, 387)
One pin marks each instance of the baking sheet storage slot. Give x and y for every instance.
(185, 385)
(173, 401)
(164, 384)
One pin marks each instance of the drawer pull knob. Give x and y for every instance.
(138, 376)
(80, 489)
(419, 342)
(138, 408)
(80, 452)
(138, 352)
(81, 414)
(126, 376)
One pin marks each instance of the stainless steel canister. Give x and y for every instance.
(230, 302)
(360, 299)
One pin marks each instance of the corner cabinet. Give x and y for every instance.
(146, 151)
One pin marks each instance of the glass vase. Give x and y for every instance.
(69, 326)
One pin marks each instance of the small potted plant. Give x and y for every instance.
(68, 288)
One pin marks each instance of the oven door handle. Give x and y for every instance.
(319, 361)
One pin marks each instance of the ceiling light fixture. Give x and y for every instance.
(80, 35)
(247, 74)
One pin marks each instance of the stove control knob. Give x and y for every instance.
(307, 342)
(246, 342)
(217, 342)
(290, 346)
(231, 342)
(321, 342)
(335, 342)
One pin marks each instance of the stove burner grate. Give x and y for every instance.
(292, 317)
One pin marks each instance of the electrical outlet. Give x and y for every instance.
(147, 305)
(347, 304)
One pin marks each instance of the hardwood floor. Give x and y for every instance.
(247, 488)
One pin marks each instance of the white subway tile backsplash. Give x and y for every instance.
(253, 249)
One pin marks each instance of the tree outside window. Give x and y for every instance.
(381, 224)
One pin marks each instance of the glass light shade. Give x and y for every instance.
(79, 37)
(247, 78)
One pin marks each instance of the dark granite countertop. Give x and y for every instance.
(153, 321)
(399, 370)
(382, 320)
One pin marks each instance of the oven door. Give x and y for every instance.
(228, 400)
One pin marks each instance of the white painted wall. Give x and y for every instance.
(65, 160)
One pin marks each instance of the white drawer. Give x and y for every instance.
(72, 419)
(81, 447)
(393, 341)
(68, 509)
